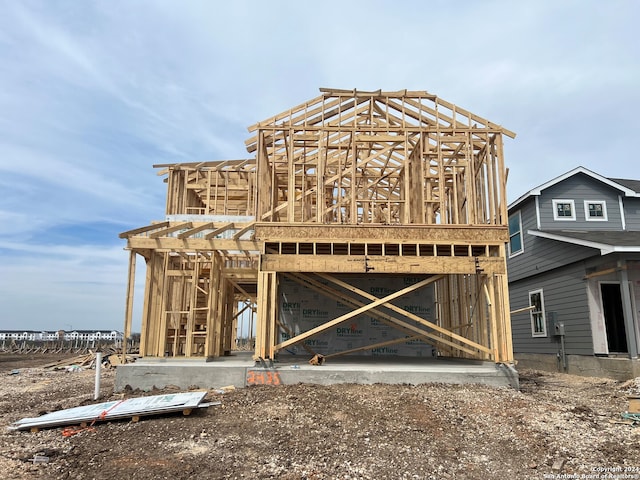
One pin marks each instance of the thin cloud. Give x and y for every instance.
(92, 94)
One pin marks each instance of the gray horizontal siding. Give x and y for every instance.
(518, 265)
(565, 293)
(579, 188)
(541, 254)
(632, 213)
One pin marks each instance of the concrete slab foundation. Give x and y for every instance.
(240, 371)
(588, 366)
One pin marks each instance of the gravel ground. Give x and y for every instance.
(557, 426)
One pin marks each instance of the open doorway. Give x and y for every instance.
(613, 317)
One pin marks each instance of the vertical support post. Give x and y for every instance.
(263, 315)
(221, 302)
(273, 312)
(161, 310)
(502, 172)
(146, 308)
(489, 290)
(505, 304)
(629, 323)
(128, 312)
(291, 173)
(214, 285)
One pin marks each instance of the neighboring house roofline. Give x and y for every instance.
(618, 185)
(575, 238)
(625, 182)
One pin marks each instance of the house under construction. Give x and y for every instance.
(364, 223)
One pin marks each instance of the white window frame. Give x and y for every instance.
(532, 312)
(555, 202)
(513, 254)
(595, 202)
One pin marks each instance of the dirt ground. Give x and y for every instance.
(329, 432)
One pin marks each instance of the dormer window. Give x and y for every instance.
(595, 210)
(564, 210)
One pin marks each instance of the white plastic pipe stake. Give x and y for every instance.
(96, 392)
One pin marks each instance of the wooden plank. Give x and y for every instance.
(166, 231)
(356, 312)
(128, 309)
(446, 234)
(272, 291)
(193, 231)
(243, 230)
(407, 314)
(380, 138)
(374, 345)
(380, 264)
(136, 231)
(376, 313)
(218, 231)
(192, 244)
(506, 344)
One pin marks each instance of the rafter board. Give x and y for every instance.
(351, 111)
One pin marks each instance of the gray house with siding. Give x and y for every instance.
(574, 275)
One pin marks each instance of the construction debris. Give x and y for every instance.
(317, 360)
(133, 408)
(110, 358)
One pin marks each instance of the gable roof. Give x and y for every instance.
(630, 188)
(346, 155)
(379, 109)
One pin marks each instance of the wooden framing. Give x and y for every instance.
(369, 183)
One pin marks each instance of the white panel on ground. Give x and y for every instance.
(129, 407)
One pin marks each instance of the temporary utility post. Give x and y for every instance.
(96, 392)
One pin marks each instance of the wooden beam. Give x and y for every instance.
(193, 231)
(374, 345)
(446, 234)
(192, 244)
(136, 231)
(128, 309)
(243, 230)
(356, 312)
(381, 264)
(407, 328)
(166, 231)
(218, 231)
(409, 315)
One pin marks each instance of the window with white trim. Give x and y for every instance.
(595, 210)
(538, 317)
(564, 209)
(516, 245)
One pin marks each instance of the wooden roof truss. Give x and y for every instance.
(379, 157)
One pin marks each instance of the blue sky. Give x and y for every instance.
(92, 94)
